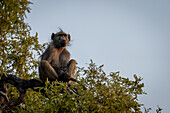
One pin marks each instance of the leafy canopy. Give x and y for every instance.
(103, 93)
(17, 46)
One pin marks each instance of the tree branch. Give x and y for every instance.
(21, 84)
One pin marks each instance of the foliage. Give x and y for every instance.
(17, 47)
(16, 44)
(98, 92)
(103, 93)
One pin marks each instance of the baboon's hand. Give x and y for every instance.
(64, 69)
(64, 73)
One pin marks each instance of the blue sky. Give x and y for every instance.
(130, 36)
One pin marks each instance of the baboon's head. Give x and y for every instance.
(60, 39)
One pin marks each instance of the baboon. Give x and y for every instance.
(55, 63)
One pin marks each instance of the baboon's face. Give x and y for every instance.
(60, 39)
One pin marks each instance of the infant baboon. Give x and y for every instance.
(55, 62)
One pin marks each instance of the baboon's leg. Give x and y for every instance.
(71, 68)
(47, 71)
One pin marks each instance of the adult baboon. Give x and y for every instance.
(55, 62)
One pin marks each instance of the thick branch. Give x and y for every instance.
(21, 84)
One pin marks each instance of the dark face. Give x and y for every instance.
(60, 39)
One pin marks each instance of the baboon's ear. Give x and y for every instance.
(52, 36)
(69, 37)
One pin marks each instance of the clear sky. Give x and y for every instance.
(130, 36)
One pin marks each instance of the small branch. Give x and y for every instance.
(4, 95)
(13, 102)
